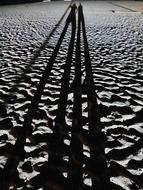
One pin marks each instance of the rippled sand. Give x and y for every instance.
(115, 41)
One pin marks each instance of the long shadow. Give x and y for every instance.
(51, 173)
(9, 174)
(75, 178)
(38, 51)
(97, 164)
(56, 164)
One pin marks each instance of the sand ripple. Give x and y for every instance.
(116, 55)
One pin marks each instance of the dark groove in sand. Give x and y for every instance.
(123, 7)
